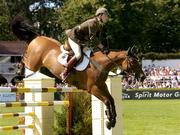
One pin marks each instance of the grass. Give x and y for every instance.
(141, 117)
(151, 117)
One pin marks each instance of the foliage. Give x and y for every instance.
(159, 56)
(148, 26)
(82, 103)
(37, 13)
(72, 14)
(4, 28)
(82, 121)
(152, 26)
(165, 30)
(46, 19)
(60, 121)
(4, 22)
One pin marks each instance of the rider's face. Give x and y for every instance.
(105, 18)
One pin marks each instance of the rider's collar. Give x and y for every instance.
(100, 21)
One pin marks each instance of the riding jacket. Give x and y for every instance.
(88, 33)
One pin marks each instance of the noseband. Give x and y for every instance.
(129, 60)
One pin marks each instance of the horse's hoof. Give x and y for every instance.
(113, 123)
(108, 125)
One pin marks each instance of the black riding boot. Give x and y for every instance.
(70, 65)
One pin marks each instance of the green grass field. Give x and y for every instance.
(152, 117)
(141, 117)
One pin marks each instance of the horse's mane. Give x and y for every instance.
(22, 29)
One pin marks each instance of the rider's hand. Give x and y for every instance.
(105, 51)
(101, 47)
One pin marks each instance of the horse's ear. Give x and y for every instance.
(133, 50)
(129, 51)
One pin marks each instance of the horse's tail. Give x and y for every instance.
(22, 29)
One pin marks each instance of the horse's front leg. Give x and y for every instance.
(110, 113)
(102, 93)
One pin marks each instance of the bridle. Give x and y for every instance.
(129, 60)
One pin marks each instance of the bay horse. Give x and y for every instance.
(43, 51)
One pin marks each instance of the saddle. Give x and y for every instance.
(67, 53)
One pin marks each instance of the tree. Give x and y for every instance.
(45, 15)
(5, 32)
(149, 25)
(71, 13)
(165, 32)
(40, 13)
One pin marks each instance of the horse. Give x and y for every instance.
(42, 51)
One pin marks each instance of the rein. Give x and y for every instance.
(98, 66)
(129, 63)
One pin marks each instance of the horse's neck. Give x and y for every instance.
(113, 59)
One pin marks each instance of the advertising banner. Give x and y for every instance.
(161, 94)
(7, 97)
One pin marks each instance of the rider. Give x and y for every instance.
(87, 33)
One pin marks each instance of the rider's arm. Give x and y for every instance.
(86, 28)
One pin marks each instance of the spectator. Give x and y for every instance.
(156, 77)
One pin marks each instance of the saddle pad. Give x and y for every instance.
(63, 58)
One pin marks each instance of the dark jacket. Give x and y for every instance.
(87, 33)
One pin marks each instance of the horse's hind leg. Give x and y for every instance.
(103, 94)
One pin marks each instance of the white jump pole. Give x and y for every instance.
(44, 116)
(98, 116)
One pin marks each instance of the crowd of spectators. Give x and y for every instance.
(156, 77)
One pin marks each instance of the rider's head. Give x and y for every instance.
(102, 14)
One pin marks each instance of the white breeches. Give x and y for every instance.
(76, 48)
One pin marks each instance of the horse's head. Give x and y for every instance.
(131, 65)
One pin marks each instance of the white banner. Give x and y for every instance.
(7, 97)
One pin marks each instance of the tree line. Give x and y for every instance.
(150, 25)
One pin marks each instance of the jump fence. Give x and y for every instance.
(37, 91)
(43, 90)
(4, 128)
(43, 103)
(39, 94)
(20, 114)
